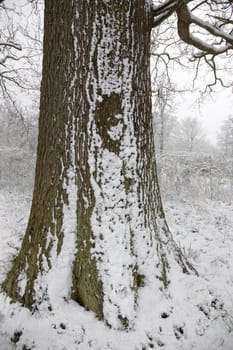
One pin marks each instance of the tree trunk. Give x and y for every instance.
(96, 231)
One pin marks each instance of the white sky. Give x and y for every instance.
(213, 109)
(214, 112)
(211, 112)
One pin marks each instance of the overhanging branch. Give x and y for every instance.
(186, 18)
(163, 11)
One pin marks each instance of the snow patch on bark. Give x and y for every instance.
(112, 220)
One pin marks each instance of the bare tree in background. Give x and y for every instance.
(189, 134)
(225, 145)
(225, 138)
(164, 113)
(20, 53)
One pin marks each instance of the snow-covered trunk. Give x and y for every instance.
(96, 232)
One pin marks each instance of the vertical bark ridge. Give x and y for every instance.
(86, 285)
(112, 157)
(45, 227)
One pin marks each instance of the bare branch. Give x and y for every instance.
(186, 18)
(163, 11)
(212, 30)
(11, 44)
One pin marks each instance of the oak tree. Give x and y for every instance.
(97, 233)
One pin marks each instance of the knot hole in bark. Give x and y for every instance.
(109, 121)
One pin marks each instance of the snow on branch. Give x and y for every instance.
(163, 11)
(185, 18)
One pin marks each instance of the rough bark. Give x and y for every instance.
(96, 231)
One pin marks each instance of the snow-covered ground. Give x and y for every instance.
(195, 312)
